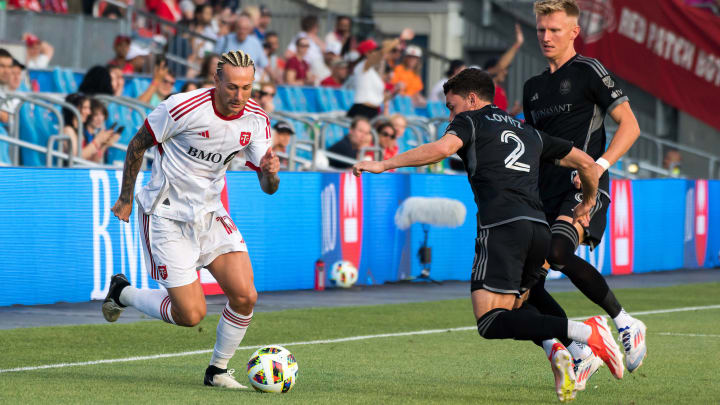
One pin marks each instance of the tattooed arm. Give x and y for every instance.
(142, 141)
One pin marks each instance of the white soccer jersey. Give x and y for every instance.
(195, 147)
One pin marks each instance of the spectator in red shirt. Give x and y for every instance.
(121, 46)
(165, 9)
(387, 139)
(297, 70)
(339, 73)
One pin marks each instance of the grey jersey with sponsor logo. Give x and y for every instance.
(502, 158)
(571, 104)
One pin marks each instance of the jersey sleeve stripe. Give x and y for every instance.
(599, 68)
(591, 65)
(252, 166)
(258, 111)
(174, 109)
(149, 128)
(190, 107)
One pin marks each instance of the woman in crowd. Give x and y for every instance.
(297, 70)
(89, 148)
(95, 131)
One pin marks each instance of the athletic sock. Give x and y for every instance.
(230, 332)
(623, 320)
(579, 350)
(583, 275)
(578, 331)
(546, 304)
(155, 303)
(525, 323)
(547, 345)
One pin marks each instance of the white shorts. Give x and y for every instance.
(175, 250)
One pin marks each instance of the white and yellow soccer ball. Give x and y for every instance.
(272, 369)
(343, 274)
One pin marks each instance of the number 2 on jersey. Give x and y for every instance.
(511, 161)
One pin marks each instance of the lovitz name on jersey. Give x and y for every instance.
(210, 156)
(504, 118)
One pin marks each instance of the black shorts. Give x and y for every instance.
(564, 205)
(505, 252)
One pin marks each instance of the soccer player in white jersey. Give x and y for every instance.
(182, 221)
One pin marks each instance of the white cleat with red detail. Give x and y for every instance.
(603, 344)
(633, 340)
(584, 369)
(562, 366)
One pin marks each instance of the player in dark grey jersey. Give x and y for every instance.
(570, 100)
(502, 158)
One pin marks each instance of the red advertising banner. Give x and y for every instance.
(665, 47)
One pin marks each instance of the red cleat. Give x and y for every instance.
(601, 342)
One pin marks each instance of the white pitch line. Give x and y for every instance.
(686, 334)
(313, 342)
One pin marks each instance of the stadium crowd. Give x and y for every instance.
(377, 70)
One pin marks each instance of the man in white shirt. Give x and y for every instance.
(39, 52)
(182, 222)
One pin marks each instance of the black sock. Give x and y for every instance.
(546, 304)
(584, 276)
(525, 323)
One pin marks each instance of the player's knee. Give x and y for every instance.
(564, 243)
(243, 302)
(487, 325)
(191, 317)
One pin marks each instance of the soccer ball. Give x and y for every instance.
(272, 369)
(343, 274)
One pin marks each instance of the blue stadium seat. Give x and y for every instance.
(312, 98)
(43, 78)
(345, 98)
(58, 81)
(333, 134)
(4, 148)
(125, 117)
(29, 133)
(70, 80)
(437, 109)
(327, 100)
(402, 105)
(137, 86)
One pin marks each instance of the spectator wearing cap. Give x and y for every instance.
(17, 82)
(407, 75)
(323, 69)
(498, 70)
(338, 74)
(281, 140)
(39, 53)
(242, 39)
(136, 59)
(437, 93)
(297, 70)
(121, 46)
(263, 23)
(6, 63)
(341, 36)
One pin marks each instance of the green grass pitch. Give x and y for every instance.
(449, 367)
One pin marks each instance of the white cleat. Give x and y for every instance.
(217, 377)
(633, 341)
(562, 366)
(584, 369)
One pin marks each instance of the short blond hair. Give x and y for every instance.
(235, 58)
(545, 7)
